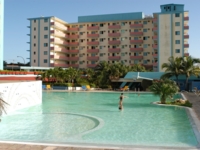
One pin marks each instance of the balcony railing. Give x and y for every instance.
(57, 49)
(155, 55)
(155, 20)
(59, 65)
(155, 37)
(136, 33)
(73, 43)
(186, 27)
(93, 43)
(155, 46)
(92, 35)
(155, 28)
(93, 58)
(114, 27)
(136, 49)
(186, 54)
(73, 51)
(186, 36)
(136, 57)
(155, 64)
(93, 28)
(114, 57)
(91, 65)
(114, 42)
(186, 45)
(73, 65)
(114, 34)
(73, 36)
(73, 58)
(73, 29)
(57, 25)
(114, 50)
(136, 25)
(186, 18)
(136, 41)
(92, 50)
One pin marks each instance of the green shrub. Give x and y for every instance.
(92, 85)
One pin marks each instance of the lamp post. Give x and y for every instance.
(22, 58)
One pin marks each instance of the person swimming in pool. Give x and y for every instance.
(121, 101)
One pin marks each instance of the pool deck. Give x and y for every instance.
(192, 97)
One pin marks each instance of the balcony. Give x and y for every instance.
(136, 25)
(73, 65)
(155, 37)
(73, 36)
(155, 20)
(113, 34)
(73, 43)
(92, 51)
(58, 41)
(73, 51)
(114, 57)
(114, 50)
(136, 57)
(186, 18)
(93, 43)
(155, 46)
(186, 36)
(136, 49)
(59, 65)
(186, 27)
(136, 33)
(91, 65)
(73, 58)
(60, 26)
(93, 28)
(114, 27)
(186, 54)
(186, 45)
(155, 55)
(155, 28)
(59, 34)
(155, 64)
(114, 42)
(92, 35)
(57, 49)
(93, 58)
(61, 57)
(136, 41)
(73, 29)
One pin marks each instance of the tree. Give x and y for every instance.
(173, 68)
(164, 88)
(188, 68)
(2, 105)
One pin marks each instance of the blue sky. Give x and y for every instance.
(17, 11)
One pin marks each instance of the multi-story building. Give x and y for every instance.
(1, 32)
(130, 38)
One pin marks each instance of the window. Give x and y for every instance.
(145, 54)
(34, 21)
(145, 61)
(136, 38)
(122, 39)
(177, 32)
(123, 24)
(34, 36)
(145, 45)
(81, 47)
(136, 30)
(81, 33)
(177, 41)
(177, 15)
(80, 55)
(177, 50)
(35, 29)
(45, 20)
(45, 52)
(145, 38)
(101, 39)
(45, 60)
(101, 25)
(123, 46)
(45, 36)
(122, 54)
(101, 54)
(34, 53)
(45, 28)
(92, 62)
(45, 44)
(34, 61)
(34, 45)
(100, 47)
(80, 26)
(144, 22)
(136, 61)
(81, 40)
(144, 30)
(80, 62)
(177, 23)
(101, 32)
(122, 31)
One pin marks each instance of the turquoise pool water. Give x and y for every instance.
(86, 117)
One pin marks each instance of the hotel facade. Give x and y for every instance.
(129, 38)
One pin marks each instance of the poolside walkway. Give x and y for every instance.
(195, 100)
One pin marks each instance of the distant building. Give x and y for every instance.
(130, 38)
(1, 32)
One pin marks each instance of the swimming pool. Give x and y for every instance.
(87, 117)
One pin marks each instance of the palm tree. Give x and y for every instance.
(2, 105)
(189, 69)
(164, 88)
(173, 68)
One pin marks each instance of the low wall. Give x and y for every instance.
(21, 94)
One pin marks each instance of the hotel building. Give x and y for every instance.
(1, 32)
(130, 38)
